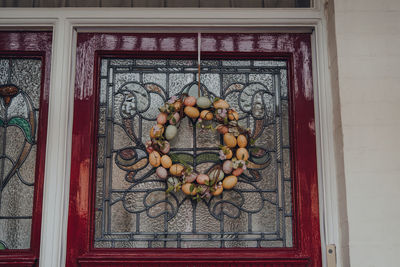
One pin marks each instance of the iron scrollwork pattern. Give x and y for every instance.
(132, 209)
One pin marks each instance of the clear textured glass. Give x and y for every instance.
(20, 82)
(133, 209)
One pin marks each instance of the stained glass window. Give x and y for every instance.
(132, 209)
(20, 83)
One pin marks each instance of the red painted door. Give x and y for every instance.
(119, 214)
(24, 89)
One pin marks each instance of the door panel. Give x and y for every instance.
(24, 90)
(121, 214)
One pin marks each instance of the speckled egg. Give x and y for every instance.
(242, 154)
(165, 147)
(227, 166)
(192, 112)
(229, 182)
(166, 161)
(203, 102)
(218, 190)
(176, 169)
(175, 119)
(190, 101)
(155, 159)
(241, 140)
(202, 178)
(171, 132)
(191, 177)
(186, 189)
(162, 172)
(216, 175)
(162, 118)
(233, 115)
(220, 103)
(206, 115)
(156, 131)
(222, 129)
(229, 140)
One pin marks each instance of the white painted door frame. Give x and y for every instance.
(66, 22)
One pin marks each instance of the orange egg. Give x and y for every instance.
(229, 182)
(192, 112)
(233, 115)
(230, 140)
(166, 161)
(228, 152)
(220, 103)
(242, 154)
(186, 189)
(177, 105)
(176, 169)
(241, 140)
(206, 115)
(155, 159)
(218, 190)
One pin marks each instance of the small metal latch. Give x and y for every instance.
(331, 255)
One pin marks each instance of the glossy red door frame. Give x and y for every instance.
(296, 48)
(31, 45)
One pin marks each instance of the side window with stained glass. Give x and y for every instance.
(132, 209)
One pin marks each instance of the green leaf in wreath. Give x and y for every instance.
(207, 157)
(2, 246)
(24, 126)
(183, 158)
(1, 123)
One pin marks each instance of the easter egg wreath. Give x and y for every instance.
(215, 114)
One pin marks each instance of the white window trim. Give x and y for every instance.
(65, 22)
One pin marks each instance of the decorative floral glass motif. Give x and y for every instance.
(132, 208)
(20, 83)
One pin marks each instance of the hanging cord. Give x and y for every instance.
(198, 59)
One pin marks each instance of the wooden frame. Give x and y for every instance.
(306, 250)
(38, 47)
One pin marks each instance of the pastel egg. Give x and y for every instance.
(191, 177)
(202, 178)
(171, 132)
(241, 140)
(166, 161)
(227, 166)
(162, 118)
(176, 169)
(155, 159)
(242, 154)
(229, 182)
(165, 147)
(186, 189)
(220, 103)
(229, 140)
(190, 101)
(206, 115)
(216, 175)
(175, 118)
(162, 172)
(203, 102)
(218, 190)
(192, 112)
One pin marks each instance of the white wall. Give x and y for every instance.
(368, 58)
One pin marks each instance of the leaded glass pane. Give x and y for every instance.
(20, 83)
(132, 208)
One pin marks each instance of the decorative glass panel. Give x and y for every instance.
(20, 83)
(132, 209)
